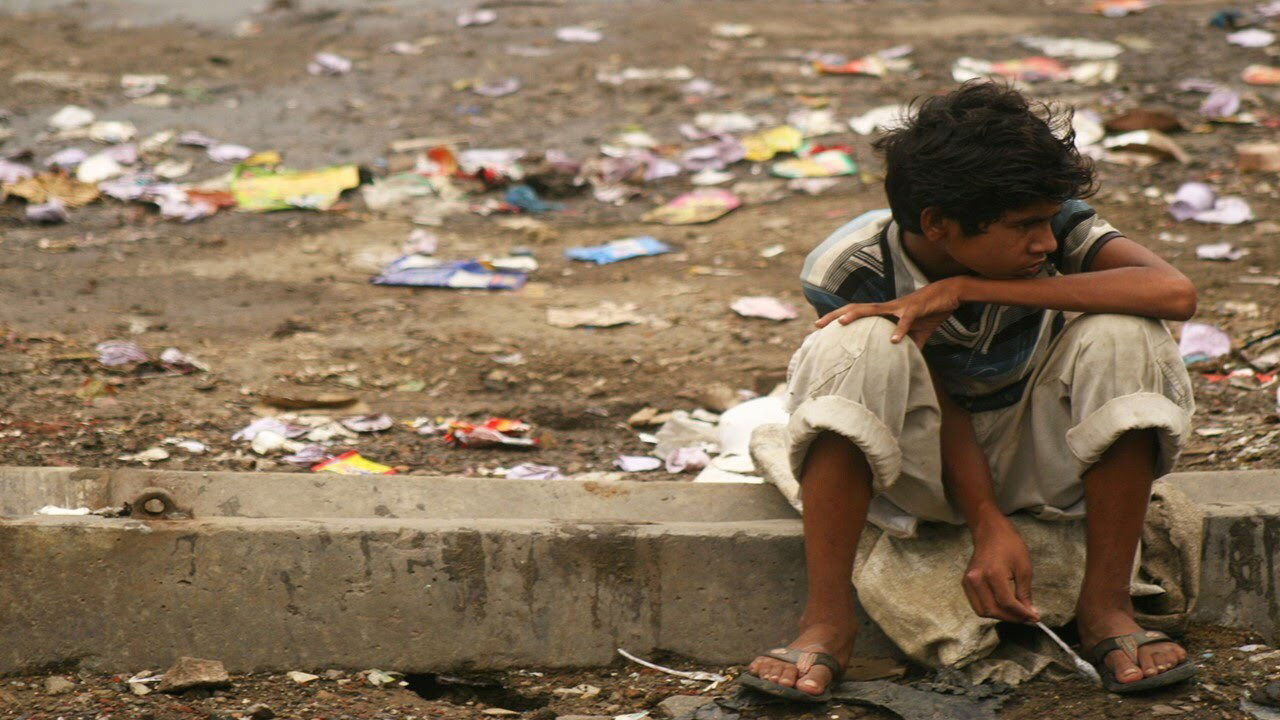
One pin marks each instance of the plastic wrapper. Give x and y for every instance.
(616, 250)
(352, 463)
(417, 271)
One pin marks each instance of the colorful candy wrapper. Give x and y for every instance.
(352, 463)
(699, 206)
(828, 163)
(764, 145)
(494, 431)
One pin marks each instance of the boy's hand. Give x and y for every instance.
(918, 315)
(998, 581)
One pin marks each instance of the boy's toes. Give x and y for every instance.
(815, 681)
(788, 676)
(1124, 669)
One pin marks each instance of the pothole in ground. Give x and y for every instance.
(462, 690)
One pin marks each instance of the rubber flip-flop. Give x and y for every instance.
(804, 661)
(1129, 644)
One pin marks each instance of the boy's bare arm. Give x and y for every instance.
(998, 579)
(1125, 278)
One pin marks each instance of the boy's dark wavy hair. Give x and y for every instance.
(978, 152)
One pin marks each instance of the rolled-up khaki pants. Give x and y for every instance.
(1104, 375)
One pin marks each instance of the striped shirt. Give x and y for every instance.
(983, 353)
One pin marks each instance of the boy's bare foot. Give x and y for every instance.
(1096, 625)
(833, 638)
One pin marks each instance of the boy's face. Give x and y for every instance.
(1015, 246)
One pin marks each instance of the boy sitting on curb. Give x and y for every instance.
(945, 385)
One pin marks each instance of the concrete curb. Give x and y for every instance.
(287, 571)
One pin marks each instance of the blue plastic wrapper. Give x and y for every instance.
(619, 250)
(410, 270)
(526, 198)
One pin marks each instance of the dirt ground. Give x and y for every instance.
(1226, 672)
(283, 299)
(281, 303)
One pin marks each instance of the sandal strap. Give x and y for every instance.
(804, 660)
(1128, 644)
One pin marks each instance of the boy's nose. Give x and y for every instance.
(1043, 242)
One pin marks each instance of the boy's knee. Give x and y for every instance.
(865, 338)
(1114, 331)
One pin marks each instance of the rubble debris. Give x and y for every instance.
(188, 673)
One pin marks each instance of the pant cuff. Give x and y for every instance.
(1136, 411)
(853, 421)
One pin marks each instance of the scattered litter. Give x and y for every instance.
(605, 315)
(469, 18)
(1073, 47)
(71, 117)
(494, 431)
(150, 455)
(625, 249)
(367, 423)
(228, 153)
(637, 463)
(733, 31)
(259, 189)
(579, 34)
(1261, 75)
(885, 117)
(1222, 102)
(527, 200)
(39, 189)
(763, 145)
(822, 164)
(136, 86)
(699, 206)
(1251, 38)
(1220, 251)
(1152, 144)
(12, 172)
(714, 678)
(687, 458)
(96, 168)
(1198, 201)
(111, 132)
(1086, 670)
(1121, 8)
(352, 463)
(420, 271)
(497, 88)
(307, 456)
(533, 471)
(764, 307)
(326, 63)
(53, 211)
(1200, 342)
(56, 510)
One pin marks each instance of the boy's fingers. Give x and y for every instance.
(1013, 609)
(974, 601)
(1022, 577)
(904, 326)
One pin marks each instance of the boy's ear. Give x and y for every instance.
(936, 227)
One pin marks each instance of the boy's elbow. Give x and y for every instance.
(1184, 299)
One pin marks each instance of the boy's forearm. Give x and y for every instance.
(1145, 291)
(965, 473)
